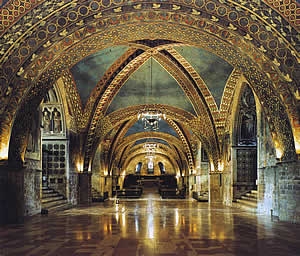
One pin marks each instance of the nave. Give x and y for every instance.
(151, 226)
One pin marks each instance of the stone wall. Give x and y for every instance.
(268, 190)
(279, 191)
(289, 191)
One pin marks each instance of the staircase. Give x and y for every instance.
(52, 201)
(247, 202)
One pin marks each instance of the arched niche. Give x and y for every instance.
(55, 148)
(244, 144)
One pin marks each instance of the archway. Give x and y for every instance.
(244, 147)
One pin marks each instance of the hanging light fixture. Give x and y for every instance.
(151, 118)
(150, 148)
(149, 115)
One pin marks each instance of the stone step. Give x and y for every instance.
(247, 202)
(47, 191)
(254, 199)
(251, 195)
(52, 198)
(59, 207)
(244, 207)
(51, 204)
(52, 194)
(53, 201)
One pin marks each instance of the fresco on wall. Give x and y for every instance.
(247, 119)
(213, 70)
(140, 88)
(89, 71)
(33, 148)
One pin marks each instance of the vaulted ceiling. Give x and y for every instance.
(185, 58)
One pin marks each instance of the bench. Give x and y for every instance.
(200, 196)
(129, 193)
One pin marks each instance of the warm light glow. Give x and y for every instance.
(279, 153)
(176, 217)
(79, 236)
(89, 236)
(79, 166)
(278, 149)
(220, 166)
(212, 167)
(297, 140)
(117, 213)
(136, 222)
(150, 225)
(297, 145)
(3, 151)
(105, 173)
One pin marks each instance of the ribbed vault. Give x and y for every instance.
(55, 38)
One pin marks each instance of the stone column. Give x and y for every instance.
(3, 193)
(85, 188)
(268, 190)
(108, 186)
(73, 186)
(289, 191)
(215, 185)
(11, 195)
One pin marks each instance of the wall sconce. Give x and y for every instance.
(212, 167)
(3, 152)
(297, 145)
(79, 166)
(278, 150)
(279, 153)
(220, 166)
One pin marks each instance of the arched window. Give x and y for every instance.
(138, 168)
(161, 168)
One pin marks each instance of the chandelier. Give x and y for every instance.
(150, 149)
(150, 116)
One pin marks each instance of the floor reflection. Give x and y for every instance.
(151, 226)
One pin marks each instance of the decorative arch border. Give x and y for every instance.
(279, 122)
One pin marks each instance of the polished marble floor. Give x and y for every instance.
(151, 226)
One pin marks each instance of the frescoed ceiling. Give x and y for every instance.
(184, 58)
(88, 72)
(212, 69)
